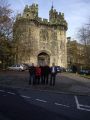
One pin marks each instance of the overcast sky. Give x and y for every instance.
(77, 12)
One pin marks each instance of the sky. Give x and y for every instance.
(76, 12)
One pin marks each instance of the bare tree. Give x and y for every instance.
(6, 25)
(84, 36)
(6, 21)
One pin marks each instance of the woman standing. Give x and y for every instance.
(38, 74)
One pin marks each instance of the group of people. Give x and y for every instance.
(41, 74)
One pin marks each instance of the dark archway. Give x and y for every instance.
(43, 58)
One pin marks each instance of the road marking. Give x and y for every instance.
(25, 96)
(77, 103)
(41, 100)
(7, 92)
(61, 104)
(80, 106)
(85, 109)
(2, 91)
(11, 93)
(84, 106)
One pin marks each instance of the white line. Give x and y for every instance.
(2, 91)
(11, 93)
(84, 106)
(8, 92)
(81, 107)
(84, 109)
(77, 103)
(41, 100)
(25, 96)
(61, 104)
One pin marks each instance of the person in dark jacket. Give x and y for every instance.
(42, 74)
(53, 71)
(46, 73)
(32, 74)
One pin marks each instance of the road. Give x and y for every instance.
(67, 82)
(31, 104)
(14, 107)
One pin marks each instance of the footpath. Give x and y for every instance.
(67, 83)
(73, 83)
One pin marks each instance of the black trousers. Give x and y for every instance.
(38, 80)
(52, 79)
(46, 77)
(42, 79)
(32, 79)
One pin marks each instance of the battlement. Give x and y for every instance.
(31, 13)
(31, 8)
(55, 17)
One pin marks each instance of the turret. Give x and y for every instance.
(51, 14)
(31, 12)
(57, 18)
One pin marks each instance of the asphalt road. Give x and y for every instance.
(14, 107)
(26, 104)
(66, 82)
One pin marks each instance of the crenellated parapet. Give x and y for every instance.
(55, 18)
(31, 12)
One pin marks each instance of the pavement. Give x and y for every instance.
(68, 83)
(74, 83)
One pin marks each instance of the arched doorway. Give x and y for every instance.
(43, 58)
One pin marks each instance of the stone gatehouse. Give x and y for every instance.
(40, 40)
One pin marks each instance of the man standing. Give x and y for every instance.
(42, 74)
(53, 71)
(46, 73)
(32, 74)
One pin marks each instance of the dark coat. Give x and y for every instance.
(32, 70)
(54, 69)
(42, 70)
(46, 70)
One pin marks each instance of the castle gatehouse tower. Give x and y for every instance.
(40, 40)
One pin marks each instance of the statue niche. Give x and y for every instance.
(43, 35)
